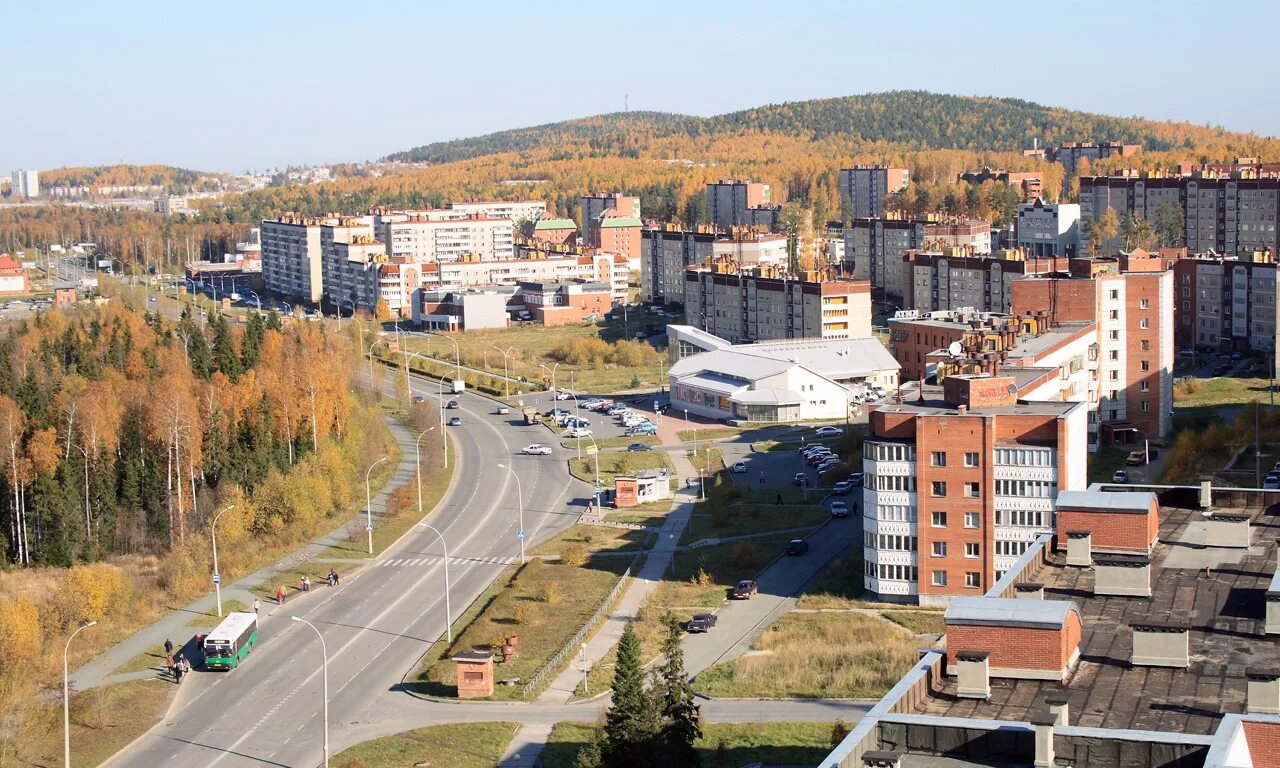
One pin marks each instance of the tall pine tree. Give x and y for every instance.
(631, 723)
(681, 725)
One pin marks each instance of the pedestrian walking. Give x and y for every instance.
(168, 647)
(177, 669)
(279, 595)
(778, 502)
(168, 663)
(762, 477)
(257, 607)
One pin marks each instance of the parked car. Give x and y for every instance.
(453, 404)
(418, 399)
(1136, 458)
(739, 468)
(1120, 476)
(797, 547)
(503, 410)
(642, 429)
(590, 405)
(633, 423)
(537, 449)
(828, 465)
(828, 432)
(839, 509)
(558, 413)
(638, 447)
(700, 622)
(663, 407)
(744, 590)
(842, 488)
(855, 479)
(801, 479)
(454, 421)
(1271, 484)
(577, 432)
(617, 409)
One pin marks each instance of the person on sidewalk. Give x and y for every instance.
(779, 500)
(177, 669)
(168, 664)
(762, 477)
(257, 607)
(279, 595)
(168, 647)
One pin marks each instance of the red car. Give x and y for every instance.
(745, 589)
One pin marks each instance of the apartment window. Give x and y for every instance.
(973, 580)
(971, 549)
(972, 519)
(1144, 386)
(939, 488)
(1114, 375)
(1114, 335)
(972, 490)
(1114, 314)
(1114, 294)
(1144, 304)
(939, 578)
(1115, 354)
(939, 519)
(1144, 406)
(1146, 365)
(1146, 345)
(939, 549)
(971, 458)
(939, 459)
(1144, 323)
(1186, 293)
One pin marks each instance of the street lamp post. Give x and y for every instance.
(217, 576)
(506, 377)
(457, 354)
(324, 672)
(368, 503)
(258, 299)
(597, 457)
(520, 498)
(444, 441)
(66, 699)
(553, 379)
(448, 612)
(417, 457)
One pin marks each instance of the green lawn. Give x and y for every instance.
(211, 619)
(839, 586)
(291, 580)
(777, 743)
(103, 721)
(709, 433)
(652, 514)
(707, 459)
(920, 622)
(610, 442)
(544, 604)
(816, 655)
(611, 464)
(749, 517)
(1221, 391)
(1104, 463)
(458, 745)
(701, 578)
(146, 660)
(589, 539)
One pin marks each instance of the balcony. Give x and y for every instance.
(1011, 472)
(1019, 502)
(889, 468)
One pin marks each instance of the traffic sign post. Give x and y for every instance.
(520, 535)
(217, 579)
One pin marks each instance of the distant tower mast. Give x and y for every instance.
(626, 102)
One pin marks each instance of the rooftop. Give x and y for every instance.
(1220, 591)
(934, 404)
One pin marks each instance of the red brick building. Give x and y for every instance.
(564, 302)
(1024, 639)
(1118, 523)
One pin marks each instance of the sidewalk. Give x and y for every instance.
(174, 625)
(637, 592)
(526, 746)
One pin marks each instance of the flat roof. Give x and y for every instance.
(1009, 612)
(934, 405)
(1107, 501)
(1225, 609)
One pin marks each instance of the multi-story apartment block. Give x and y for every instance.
(730, 203)
(974, 235)
(751, 250)
(863, 189)
(515, 211)
(24, 183)
(955, 278)
(596, 207)
(344, 265)
(747, 305)
(1047, 229)
(1226, 304)
(1071, 153)
(293, 252)
(1132, 307)
(618, 235)
(1028, 183)
(665, 254)
(873, 249)
(555, 231)
(958, 483)
(1227, 214)
(423, 238)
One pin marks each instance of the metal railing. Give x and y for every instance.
(590, 624)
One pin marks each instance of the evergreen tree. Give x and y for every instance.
(251, 343)
(630, 725)
(681, 725)
(225, 356)
(722, 759)
(838, 731)
(589, 754)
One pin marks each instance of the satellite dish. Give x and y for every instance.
(955, 349)
(1013, 389)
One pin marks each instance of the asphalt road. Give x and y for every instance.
(377, 623)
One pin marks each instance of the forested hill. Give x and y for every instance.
(167, 176)
(907, 119)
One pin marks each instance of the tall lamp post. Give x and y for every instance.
(552, 371)
(417, 457)
(457, 354)
(258, 299)
(444, 441)
(217, 576)
(66, 698)
(324, 672)
(520, 498)
(448, 612)
(368, 503)
(506, 377)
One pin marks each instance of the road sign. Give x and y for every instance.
(520, 535)
(369, 527)
(217, 578)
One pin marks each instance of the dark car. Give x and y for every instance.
(745, 589)
(455, 421)
(1221, 370)
(418, 399)
(452, 404)
(664, 407)
(797, 547)
(637, 447)
(701, 622)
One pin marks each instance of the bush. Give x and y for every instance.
(745, 554)
(573, 554)
(524, 612)
(550, 593)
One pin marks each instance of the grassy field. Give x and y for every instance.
(839, 586)
(652, 514)
(919, 622)
(622, 463)
(544, 604)
(748, 517)
(701, 578)
(458, 745)
(737, 744)
(1220, 391)
(709, 460)
(211, 619)
(290, 580)
(708, 433)
(816, 655)
(1104, 463)
(532, 349)
(153, 660)
(103, 721)
(604, 443)
(581, 540)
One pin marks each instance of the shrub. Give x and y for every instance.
(702, 578)
(550, 593)
(573, 554)
(524, 612)
(744, 554)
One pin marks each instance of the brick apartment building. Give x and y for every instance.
(665, 254)
(733, 203)
(1226, 304)
(955, 277)
(744, 305)
(1028, 183)
(960, 482)
(1070, 153)
(863, 189)
(555, 231)
(1131, 305)
(564, 302)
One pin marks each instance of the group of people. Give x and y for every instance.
(304, 584)
(178, 665)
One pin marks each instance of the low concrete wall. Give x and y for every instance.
(1025, 568)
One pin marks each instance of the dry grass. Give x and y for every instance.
(701, 578)
(589, 539)
(816, 655)
(458, 745)
(744, 744)
(620, 463)
(919, 622)
(103, 721)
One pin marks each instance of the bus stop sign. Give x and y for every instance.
(217, 578)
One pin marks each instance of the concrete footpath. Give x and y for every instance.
(175, 625)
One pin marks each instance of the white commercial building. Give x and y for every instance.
(1048, 229)
(25, 183)
(775, 381)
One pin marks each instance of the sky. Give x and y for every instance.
(233, 86)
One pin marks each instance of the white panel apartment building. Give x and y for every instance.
(1048, 229)
(423, 238)
(515, 211)
(293, 251)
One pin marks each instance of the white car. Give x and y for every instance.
(828, 432)
(635, 422)
(578, 432)
(564, 394)
(537, 449)
(739, 467)
(590, 404)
